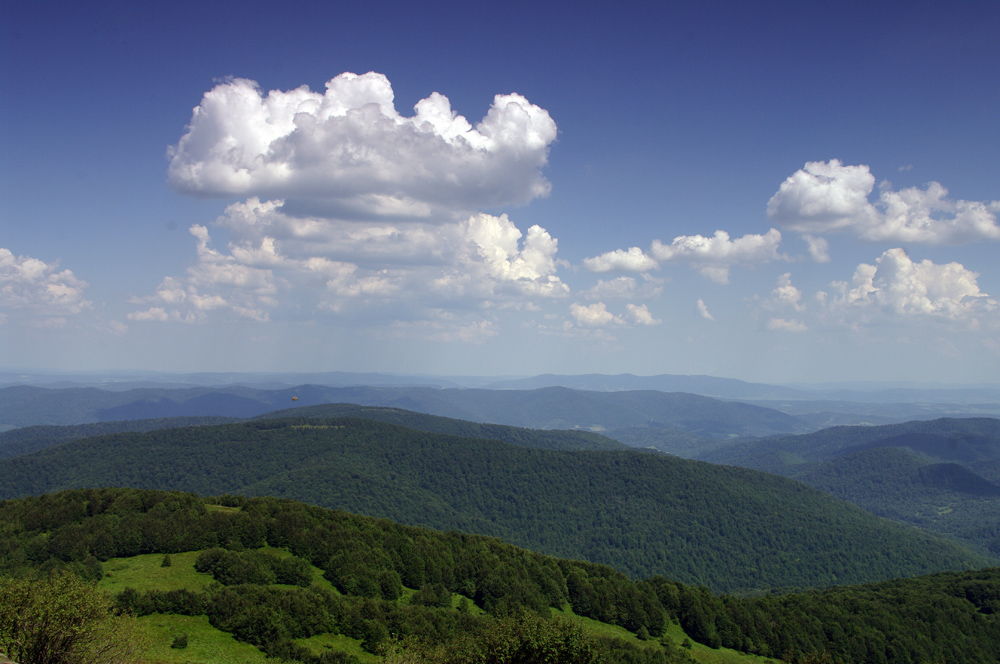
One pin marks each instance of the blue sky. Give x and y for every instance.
(780, 191)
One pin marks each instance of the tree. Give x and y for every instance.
(63, 620)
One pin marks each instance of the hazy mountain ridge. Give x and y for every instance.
(547, 408)
(817, 406)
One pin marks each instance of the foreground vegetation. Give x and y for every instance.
(312, 585)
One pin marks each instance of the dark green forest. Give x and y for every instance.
(941, 475)
(730, 529)
(268, 602)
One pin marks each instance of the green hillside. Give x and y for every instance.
(29, 439)
(231, 579)
(939, 475)
(964, 440)
(727, 528)
(546, 439)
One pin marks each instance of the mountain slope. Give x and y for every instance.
(348, 581)
(938, 475)
(729, 528)
(29, 439)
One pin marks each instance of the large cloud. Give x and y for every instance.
(275, 261)
(901, 287)
(39, 288)
(827, 197)
(347, 153)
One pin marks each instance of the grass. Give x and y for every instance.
(205, 643)
(337, 642)
(705, 655)
(146, 572)
(596, 627)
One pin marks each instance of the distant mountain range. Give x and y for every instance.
(819, 406)
(546, 408)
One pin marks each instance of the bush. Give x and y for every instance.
(62, 619)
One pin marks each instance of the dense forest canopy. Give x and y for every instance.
(645, 514)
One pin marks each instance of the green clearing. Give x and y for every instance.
(337, 643)
(145, 572)
(705, 655)
(206, 644)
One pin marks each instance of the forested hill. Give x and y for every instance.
(941, 475)
(548, 408)
(963, 440)
(546, 439)
(29, 439)
(728, 528)
(249, 547)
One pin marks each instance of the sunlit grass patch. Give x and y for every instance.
(146, 572)
(705, 655)
(337, 642)
(596, 627)
(205, 644)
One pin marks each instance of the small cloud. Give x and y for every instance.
(703, 310)
(785, 295)
(903, 169)
(638, 314)
(593, 315)
(633, 260)
(784, 325)
(819, 248)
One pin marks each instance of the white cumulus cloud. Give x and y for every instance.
(633, 260)
(785, 295)
(40, 288)
(714, 256)
(593, 315)
(901, 287)
(826, 197)
(703, 310)
(819, 248)
(638, 314)
(347, 153)
(786, 325)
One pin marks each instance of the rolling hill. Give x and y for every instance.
(728, 528)
(939, 475)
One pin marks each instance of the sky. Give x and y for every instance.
(776, 192)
